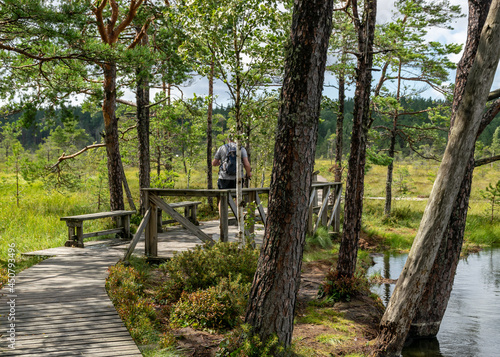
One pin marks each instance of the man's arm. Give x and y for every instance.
(247, 166)
(215, 162)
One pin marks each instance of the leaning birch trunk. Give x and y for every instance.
(408, 292)
(239, 192)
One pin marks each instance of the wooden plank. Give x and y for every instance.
(102, 233)
(335, 206)
(232, 204)
(184, 204)
(262, 213)
(90, 216)
(182, 220)
(82, 352)
(137, 236)
(48, 350)
(322, 210)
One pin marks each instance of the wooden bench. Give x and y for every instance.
(190, 211)
(75, 226)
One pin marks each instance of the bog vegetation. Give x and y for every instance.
(57, 159)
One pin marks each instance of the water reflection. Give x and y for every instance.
(470, 325)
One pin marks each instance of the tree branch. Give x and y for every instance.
(494, 94)
(487, 160)
(134, 5)
(100, 21)
(66, 157)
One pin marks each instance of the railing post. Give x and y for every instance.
(159, 221)
(336, 221)
(310, 223)
(223, 224)
(151, 243)
(324, 215)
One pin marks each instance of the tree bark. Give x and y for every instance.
(348, 251)
(274, 290)
(142, 99)
(339, 133)
(392, 150)
(402, 307)
(438, 289)
(111, 138)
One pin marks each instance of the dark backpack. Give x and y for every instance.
(229, 164)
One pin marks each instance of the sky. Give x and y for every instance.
(199, 85)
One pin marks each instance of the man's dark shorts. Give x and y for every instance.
(226, 184)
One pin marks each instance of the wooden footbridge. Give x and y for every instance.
(59, 307)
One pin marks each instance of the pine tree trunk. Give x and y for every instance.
(438, 289)
(339, 133)
(389, 179)
(407, 295)
(392, 150)
(348, 251)
(274, 290)
(111, 138)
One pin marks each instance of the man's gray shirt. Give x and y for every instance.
(221, 155)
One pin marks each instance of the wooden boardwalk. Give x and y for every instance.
(62, 309)
(61, 305)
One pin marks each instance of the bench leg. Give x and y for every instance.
(71, 233)
(75, 235)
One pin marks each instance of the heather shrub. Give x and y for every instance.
(204, 267)
(219, 306)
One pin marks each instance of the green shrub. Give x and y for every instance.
(242, 343)
(320, 239)
(217, 307)
(338, 288)
(204, 267)
(125, 288)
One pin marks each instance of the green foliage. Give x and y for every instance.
(480, 230)
(403, 181)
(203, 267)
(339, 288)
(243, 343)
(125, 285)
(217, 307)
(320, 239)
(492, 194)
(166, 179)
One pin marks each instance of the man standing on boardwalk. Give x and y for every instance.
(225, 158)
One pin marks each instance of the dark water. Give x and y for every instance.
(471, 325)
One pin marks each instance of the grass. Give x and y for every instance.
(398, 231)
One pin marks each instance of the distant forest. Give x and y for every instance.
(37, 126)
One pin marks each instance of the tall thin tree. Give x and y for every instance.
(365, 29)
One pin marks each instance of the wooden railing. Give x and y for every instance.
(325, 198)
